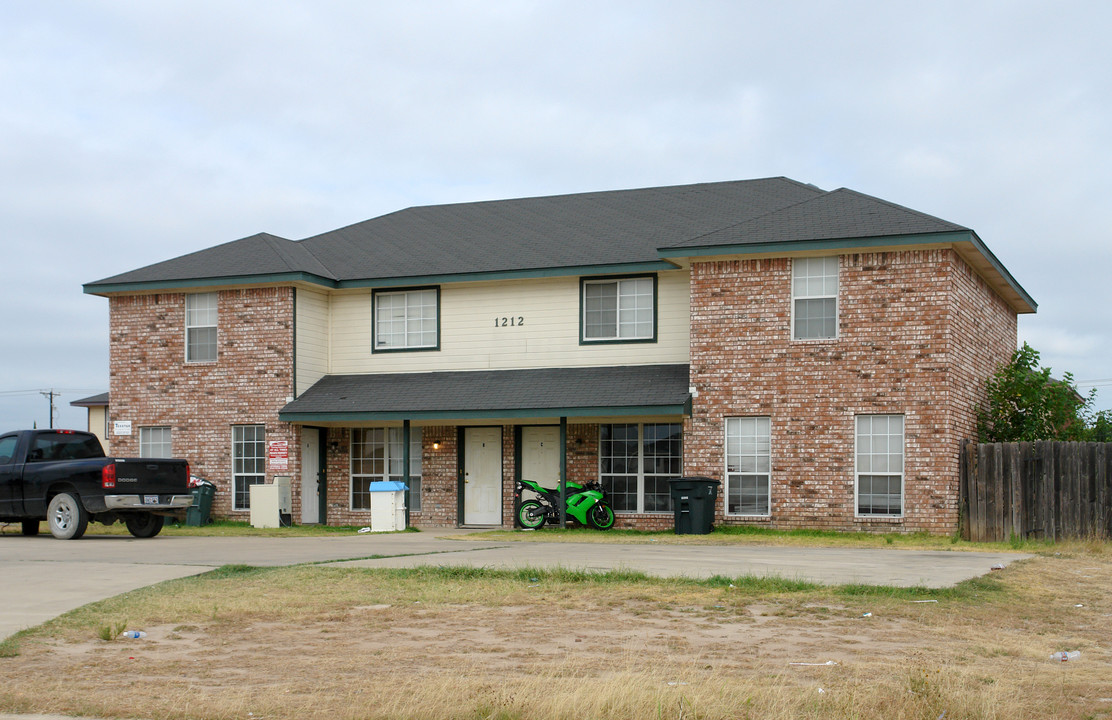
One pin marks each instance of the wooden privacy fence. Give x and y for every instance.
(1045, 489)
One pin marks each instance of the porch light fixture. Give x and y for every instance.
(436, 446)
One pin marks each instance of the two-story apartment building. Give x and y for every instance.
(820, 353)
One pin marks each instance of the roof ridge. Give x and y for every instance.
(281, 247)
(770, 213)
(905, 208)
(620, 191)
(558, 196)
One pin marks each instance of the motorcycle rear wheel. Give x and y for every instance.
(601, 516)
(531, 515)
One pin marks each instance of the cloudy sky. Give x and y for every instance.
(135, 131)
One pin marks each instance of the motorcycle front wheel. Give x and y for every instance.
(531, 515)
(601, 516)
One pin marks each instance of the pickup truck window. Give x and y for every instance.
(64, 446)
(7, 449)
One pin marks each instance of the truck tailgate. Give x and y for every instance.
(148, 476)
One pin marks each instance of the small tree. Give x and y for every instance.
(1025, 403)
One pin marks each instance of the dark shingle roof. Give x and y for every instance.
(599, 228)
(834, 215)
(494, 393)
(92, 401)
(598, 232)
(261, 254)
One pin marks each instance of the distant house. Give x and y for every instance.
(819, 353)
(97, 406)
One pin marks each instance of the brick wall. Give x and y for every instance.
(917, 330)
(152, 385)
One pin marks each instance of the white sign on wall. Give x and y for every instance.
(121, 427)
(278, 455)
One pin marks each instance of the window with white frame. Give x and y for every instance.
(379, 454)
(200, 327)
(248, 462)
(748, 465)
(880, 465)
(619, 310)
(154, 442)
(815, 298)
(407, 319)
(636, 462)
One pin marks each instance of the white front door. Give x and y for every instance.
(540, 457)
(482, 476)
(310, 476)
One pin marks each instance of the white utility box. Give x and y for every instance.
(285, 494)
(264, 506)
(387, 506)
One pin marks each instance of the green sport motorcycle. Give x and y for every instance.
(587, 505)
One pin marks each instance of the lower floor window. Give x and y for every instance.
(748, 465)
(636, 461)
(880, 465)
(379, 454)
(248, 463)
(154, 442)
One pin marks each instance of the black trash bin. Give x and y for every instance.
(198, 514)
(693, 502)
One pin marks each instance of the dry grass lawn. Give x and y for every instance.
(334, 642)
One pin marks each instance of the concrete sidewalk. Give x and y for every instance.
(44, 577)
(828, 566)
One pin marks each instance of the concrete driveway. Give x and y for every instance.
(41, 577)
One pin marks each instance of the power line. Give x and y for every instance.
(75, 391)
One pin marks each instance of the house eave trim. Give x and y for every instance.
(299, 418)
(188, 284)
(570, 271)
(386, 282)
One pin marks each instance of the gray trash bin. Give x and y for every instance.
(693, 502)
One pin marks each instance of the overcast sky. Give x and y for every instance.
(134, 132)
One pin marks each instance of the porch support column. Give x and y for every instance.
(405, 469)
(563, 472)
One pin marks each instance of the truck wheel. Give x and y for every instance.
(66, 517)
(144, 525)
(30, 527)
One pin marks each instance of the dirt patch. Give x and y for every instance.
(376, 641)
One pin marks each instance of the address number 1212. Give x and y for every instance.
(509, 321)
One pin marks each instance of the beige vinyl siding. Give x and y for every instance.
(548, 337)
(312, 338)
(98, 424)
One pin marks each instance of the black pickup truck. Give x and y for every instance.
(63, 477)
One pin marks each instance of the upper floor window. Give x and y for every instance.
(814, 298)
(154, 442)
(619, 309)
(200, 327)
(407, 319)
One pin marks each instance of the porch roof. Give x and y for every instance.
(491, 394)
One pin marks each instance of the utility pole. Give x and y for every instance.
(51, 395)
